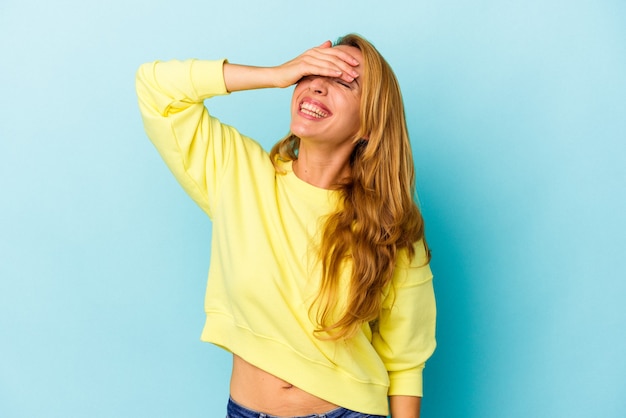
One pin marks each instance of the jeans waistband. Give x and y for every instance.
(236, 410)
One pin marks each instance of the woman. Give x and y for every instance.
(319, 281)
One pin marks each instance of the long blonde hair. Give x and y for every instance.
(377, 216)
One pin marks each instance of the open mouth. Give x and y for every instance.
(313, 110)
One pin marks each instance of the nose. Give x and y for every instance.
(319, 85)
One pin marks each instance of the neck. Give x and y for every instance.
(322, 169)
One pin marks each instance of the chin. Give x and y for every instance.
(298, 131)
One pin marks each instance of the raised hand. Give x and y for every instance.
(323, 60)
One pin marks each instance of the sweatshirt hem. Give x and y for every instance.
(322, 380)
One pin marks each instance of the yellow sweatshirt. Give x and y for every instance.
(264, 273)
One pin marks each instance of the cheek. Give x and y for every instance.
(356, 113)
(298, 88)
(294, 97)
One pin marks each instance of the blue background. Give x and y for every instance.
(517, 110)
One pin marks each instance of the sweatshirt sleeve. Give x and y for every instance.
(194, 145)
(406, 330)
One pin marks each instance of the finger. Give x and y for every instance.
(339, 57)
(321, 66)
(339, 61)
(347, 57)
(326, 44)
(324, 68)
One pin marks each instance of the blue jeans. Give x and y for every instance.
(238, 411)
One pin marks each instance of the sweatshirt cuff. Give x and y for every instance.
(207, 77)
(407, 383)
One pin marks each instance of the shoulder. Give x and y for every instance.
(411, 271)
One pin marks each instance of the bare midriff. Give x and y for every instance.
(258, 390)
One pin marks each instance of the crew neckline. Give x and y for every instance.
(302, 187)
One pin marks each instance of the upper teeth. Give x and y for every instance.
(311, 109)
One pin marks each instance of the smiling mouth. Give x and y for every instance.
(313, 110)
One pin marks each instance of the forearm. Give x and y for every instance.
(243, 77)
(405, 406)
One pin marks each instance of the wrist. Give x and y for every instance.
(239, 77)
